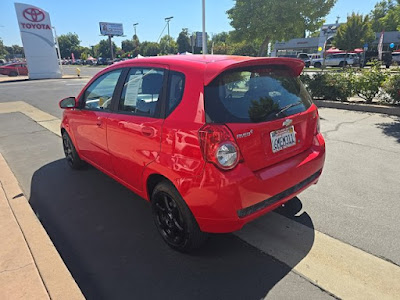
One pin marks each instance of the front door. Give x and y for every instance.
(134, 129)
(89, 123)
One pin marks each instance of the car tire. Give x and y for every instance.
(343, 64)
(318, 65)
(72, 157)
(13, 74)
(174, 220)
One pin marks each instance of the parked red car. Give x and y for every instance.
(14, 69)
(212, 142)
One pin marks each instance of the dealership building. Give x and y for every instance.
(327, 32)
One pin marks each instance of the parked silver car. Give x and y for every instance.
(337, 60)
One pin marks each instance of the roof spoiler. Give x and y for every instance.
(296, 65)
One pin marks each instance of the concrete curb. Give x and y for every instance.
(25, 78)
(54, 274)
(373, 108)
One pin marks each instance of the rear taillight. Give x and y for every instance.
(317, 124)
(318, 128)
(219, 146)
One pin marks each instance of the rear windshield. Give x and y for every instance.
(255, 95)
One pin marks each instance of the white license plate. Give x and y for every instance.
(283, 138)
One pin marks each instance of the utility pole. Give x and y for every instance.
(134, 27)
(111, 46)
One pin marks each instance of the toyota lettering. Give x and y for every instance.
(34, 15)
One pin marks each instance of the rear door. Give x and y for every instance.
(134, 128)
(268, 111)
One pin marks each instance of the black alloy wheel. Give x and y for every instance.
(71, 155)
(169, 220)
(174, 220)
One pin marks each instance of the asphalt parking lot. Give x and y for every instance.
(106, 237)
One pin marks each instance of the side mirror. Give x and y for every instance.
(69, 102)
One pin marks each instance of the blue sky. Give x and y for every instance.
(83, 16)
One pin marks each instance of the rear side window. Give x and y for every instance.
(142, 92)
(255, 95)
(175, 92)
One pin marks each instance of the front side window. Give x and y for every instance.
(255, 95)
(99, 94)
(141, 93)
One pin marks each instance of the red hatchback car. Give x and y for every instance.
(212, 142)
(14, 69)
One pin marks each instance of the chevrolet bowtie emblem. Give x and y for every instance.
(287, 122)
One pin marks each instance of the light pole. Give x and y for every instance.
(168, 20)
(134, 27)
(58, 50)
(204, 28)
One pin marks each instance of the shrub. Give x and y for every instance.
(332, 86)
(392, 87)
(369, 82)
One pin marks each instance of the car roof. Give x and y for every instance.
(213, 65)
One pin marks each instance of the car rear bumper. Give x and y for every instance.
(225, 201)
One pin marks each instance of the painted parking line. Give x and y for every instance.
(339, 268)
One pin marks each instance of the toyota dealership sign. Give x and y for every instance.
(38, 41)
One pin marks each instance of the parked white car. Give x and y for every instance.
(396, 57)
(337, 60)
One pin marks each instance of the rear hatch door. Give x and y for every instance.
(268, 110)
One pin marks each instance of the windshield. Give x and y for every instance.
(255, 95)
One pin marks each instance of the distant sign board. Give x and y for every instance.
(199, 39)
(111, 29)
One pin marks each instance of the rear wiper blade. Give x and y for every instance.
(285, 108)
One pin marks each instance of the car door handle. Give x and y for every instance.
(147, 131)
(99, 121)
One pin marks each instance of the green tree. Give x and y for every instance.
(168, 45)
(391, 21)
(243, 48)
(14, 51)
(221, 43)
(69, 43)
(128, 46)
(354, 34)
(385, 16)
(149, 48)
(183, 41)
(270, 20)
(102, 49)
(3, 51)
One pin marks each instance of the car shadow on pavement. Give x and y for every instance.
(391, 129)
(106, 237)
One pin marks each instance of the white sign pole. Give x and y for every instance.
(38, 41)
(204, 28)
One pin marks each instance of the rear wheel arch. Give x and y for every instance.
(152, 181)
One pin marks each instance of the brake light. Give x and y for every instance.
(318, 125)
(219, 146)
